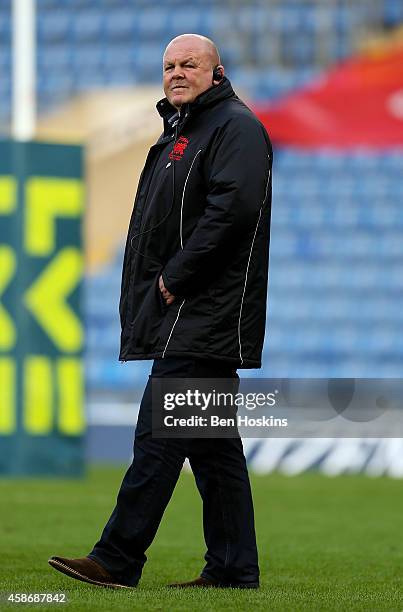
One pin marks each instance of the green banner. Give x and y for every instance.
(41, 330)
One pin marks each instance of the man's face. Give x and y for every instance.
(187, 71)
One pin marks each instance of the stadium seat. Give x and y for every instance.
(152, 23)
(189, 20)
(54, 26)
(87, 26)
(120, 25)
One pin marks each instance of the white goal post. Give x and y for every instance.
(23, 69)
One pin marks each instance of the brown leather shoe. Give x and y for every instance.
(87, 570)
(203, 582)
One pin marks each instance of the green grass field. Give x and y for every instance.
(324, 544)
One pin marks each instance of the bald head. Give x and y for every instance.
(196, 41)
(188, 64)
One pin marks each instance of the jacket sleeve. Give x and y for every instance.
(237, 173)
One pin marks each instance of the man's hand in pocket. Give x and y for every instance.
(168, 297)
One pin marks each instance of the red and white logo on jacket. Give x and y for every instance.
(179, 148)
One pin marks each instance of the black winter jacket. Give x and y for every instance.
(201, 218)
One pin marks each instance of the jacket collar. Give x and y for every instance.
(208, 98)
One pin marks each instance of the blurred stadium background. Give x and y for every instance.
(336, 282)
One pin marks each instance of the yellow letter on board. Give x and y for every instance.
(8, 420)
(46, 299)
(38, 395)
(7, 327)
(71, 402)
(46, 199)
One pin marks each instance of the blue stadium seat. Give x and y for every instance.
(189, 20)
(219, 23)
(152, 22)
(392, 12)
(148, 62)
(54, 26)
(87, 57)
(87, 26)
(55, 86)
(5, 58)
(5, 86)
(118, 57)
(120, 25)
(254, 20)
(286, 18)
(53, 57)
(5, 27)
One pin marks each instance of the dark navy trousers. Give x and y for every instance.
(219, 468)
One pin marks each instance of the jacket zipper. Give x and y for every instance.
(176, 135)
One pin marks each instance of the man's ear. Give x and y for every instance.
(218, 74)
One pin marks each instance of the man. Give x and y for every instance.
(193, 299)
